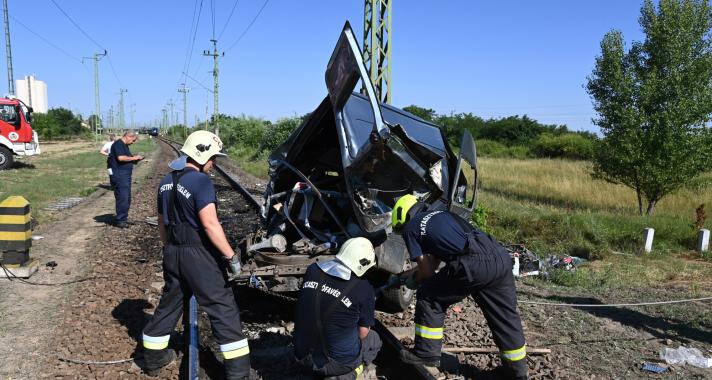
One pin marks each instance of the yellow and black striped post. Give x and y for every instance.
(15, 230)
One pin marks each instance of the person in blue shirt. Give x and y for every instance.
(121, 163)
(476, 265)
(334, 314)
(195, 254)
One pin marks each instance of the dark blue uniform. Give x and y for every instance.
(476, 265)
(342, 306)
(192, 265)
(122, 172)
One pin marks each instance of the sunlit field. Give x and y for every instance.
(569, 185)
(556, 205)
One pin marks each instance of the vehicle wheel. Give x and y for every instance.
(397, 299)
(6, 158)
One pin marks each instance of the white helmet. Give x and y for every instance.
(200, 146)
(358, 255)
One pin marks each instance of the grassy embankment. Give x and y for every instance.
(64, 169)
(555, 208)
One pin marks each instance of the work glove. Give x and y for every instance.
(394, 281)
(411, 282)
(234, 267)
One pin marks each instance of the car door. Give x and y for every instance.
(343, 72)
(463, 187)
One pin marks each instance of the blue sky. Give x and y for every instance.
(493, 58)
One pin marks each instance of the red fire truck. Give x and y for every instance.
(16, 135)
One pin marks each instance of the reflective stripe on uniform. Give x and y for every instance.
(428, 332)
(235, 349)
(514, 355)
(155, 342)
(359, 370)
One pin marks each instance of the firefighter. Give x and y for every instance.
(334, 314)
(475, 265)
(194, 255)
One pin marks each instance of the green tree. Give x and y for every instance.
(654, 101)
(45, 126)
(68, 123)
(277, 133)
(423, 113)
(243, 130)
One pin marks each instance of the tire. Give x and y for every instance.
(397, 299)
(6, 158)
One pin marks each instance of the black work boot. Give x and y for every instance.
(515, 370)
(154, 360)
(238, 368)
(407, 356)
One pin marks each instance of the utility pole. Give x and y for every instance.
(8, 51)
(377, 46)
(164, 123)
(112, 127)
(122, 115)
(97, 103)
(133, 113)
(171, 119)
(206, 114)
(215, 54)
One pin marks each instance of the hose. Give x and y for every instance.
(77, 361)
(616, 304)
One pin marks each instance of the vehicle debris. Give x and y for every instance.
(651, 367)
(684, 355)
(527, 263)
(339, 173)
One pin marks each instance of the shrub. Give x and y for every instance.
(242, 130)
(479, 217)
(568, 145)
(490, 148)
(58, 122)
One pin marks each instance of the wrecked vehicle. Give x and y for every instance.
(339, 174)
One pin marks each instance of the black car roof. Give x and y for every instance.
(359, 124)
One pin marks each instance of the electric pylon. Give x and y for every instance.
(97, 102)
(164, 123)
(171, 118)
(133, 113)
(110, 122)
(8, 51)
(185, 91)
(377, 46)
(215, 54)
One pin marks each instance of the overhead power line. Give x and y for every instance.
(228, 19)
(77, 25)
(198, 82)
(248, 26)
(46, 41)
(191, 38)
(111, 65)
(212, 10)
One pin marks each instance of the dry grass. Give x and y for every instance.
(568, 185)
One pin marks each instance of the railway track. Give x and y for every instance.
(268, 324)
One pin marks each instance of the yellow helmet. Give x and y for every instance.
(358, 255)
(201, 145)
(399, 214)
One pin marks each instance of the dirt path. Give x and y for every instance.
(29, 314)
